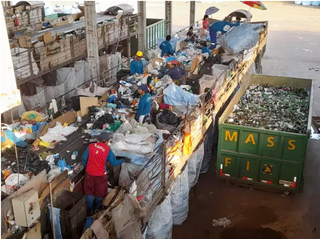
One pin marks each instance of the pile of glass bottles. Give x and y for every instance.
(275, 108)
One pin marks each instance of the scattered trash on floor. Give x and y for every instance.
(221, 222)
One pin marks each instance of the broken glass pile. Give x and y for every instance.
(275, 108)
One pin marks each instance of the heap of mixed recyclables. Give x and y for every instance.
(275, 108)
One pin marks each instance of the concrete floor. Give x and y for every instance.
(293, 49)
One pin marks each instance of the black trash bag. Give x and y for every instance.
(167, 117)
(74, 102)
(107, 118)
(122, 74)
(94, 109)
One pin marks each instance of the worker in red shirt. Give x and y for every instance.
(95, 159)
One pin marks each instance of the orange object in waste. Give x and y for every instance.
(6, 143)
(187, 143)
(134, 102)
(6, 173)
(170, 107)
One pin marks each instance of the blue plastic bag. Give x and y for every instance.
(62, 164)
(13, 138)
(174, 95)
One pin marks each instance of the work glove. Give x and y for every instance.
(126, 160)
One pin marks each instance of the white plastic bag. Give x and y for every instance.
(125, 218)
(206, 81)
(51, 92)
(58, 133)
(97, 90)
(12, 179)
(36, 101)
(128, 172)
(137, 138)
(194, 165)
(160, 224)
(180, 198)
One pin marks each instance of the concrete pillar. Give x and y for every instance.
(192, 12)
(92, 39)
(168, 10)
(142, 26)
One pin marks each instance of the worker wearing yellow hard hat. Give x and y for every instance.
(136, 66)
(139, 54)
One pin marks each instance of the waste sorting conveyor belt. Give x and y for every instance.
(168, 161)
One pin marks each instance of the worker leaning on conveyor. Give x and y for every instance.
(95, 159)
(204, 48)
(136, 65)
(176, 73)
(166, 48)
(144, 106)
(220, 28)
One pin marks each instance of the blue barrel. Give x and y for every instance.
(315, 3)
(306, 3)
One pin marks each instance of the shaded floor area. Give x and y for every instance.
(255, 214)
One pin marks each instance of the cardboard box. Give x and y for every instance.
(24, 42)
(47, 37)
(70, 18)
(68, 118)
(10, 11)
(59, 24)
(85, 103)
(38, 27)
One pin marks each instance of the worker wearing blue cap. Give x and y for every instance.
(144, 106)
(95, 159)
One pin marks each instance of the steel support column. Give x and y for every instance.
(92, 39)
(168, 10)
(142, 25)
(192, 12)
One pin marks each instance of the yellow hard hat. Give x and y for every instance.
(139, 54)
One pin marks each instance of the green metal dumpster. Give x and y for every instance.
(259, 157)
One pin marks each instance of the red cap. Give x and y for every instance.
(174, 62)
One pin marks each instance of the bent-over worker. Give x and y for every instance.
(204, 48)
(95, 159)
(219, 28)
(176, 72)
(136, 65)
(166, 48)
(145, 104)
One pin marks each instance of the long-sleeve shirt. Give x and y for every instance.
(176, 73)
(166, 48)
(205, 50)
(220, 26)
(144, 106)
(136, 67)
(110, 158)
